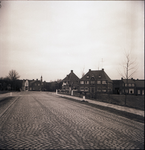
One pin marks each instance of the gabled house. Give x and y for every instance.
(95, 81)
(70, 82)
(25, 85)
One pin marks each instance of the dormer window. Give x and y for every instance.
(88, 76)
(92, 80)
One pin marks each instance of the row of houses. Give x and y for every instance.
(93, 82)
(97, 81)
(40, 85)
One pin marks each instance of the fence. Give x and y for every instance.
(131, 101)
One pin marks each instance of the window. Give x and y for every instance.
(98, 82)
(142, 92)
(88, 76)
(126, 91)
(86, 89)
(104, 91)
(103, 82)
(129, 85)
(125, 84)
(81, 88)
(138, 91)
(81, 82)
(98, 90)
(122, 84)
(132, 85)
(38, 84)
(86, 82)
(99, 76)
(92, 82)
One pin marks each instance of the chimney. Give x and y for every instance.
(89, 70)
(102, 69)
(71, 71)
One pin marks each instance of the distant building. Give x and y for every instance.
(130, 86)
(32, 85)
(25, 85)
(140, 85)
(95, 81)
(70, 82)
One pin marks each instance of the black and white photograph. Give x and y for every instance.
(71, 74)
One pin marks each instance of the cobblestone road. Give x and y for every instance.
(39, 120)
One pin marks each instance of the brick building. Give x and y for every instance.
(70, 82)
(32, 85)
(130, 86)
(95, 81)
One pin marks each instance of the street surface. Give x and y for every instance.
(42, 120)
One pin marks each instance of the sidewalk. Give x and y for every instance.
(117, 107)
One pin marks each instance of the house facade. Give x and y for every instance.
(95, 81)
(70, 82)
(32, 85)
(130, 86)
(140, 87)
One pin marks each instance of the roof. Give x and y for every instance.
(71, 77)
(129, 80)
(140, 83)
(97, 74)
(35, 81)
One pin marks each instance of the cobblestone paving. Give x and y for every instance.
(39, 120)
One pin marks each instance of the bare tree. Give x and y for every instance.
(13, 76)
(129, 67)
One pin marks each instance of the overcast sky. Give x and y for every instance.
(50, 38)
